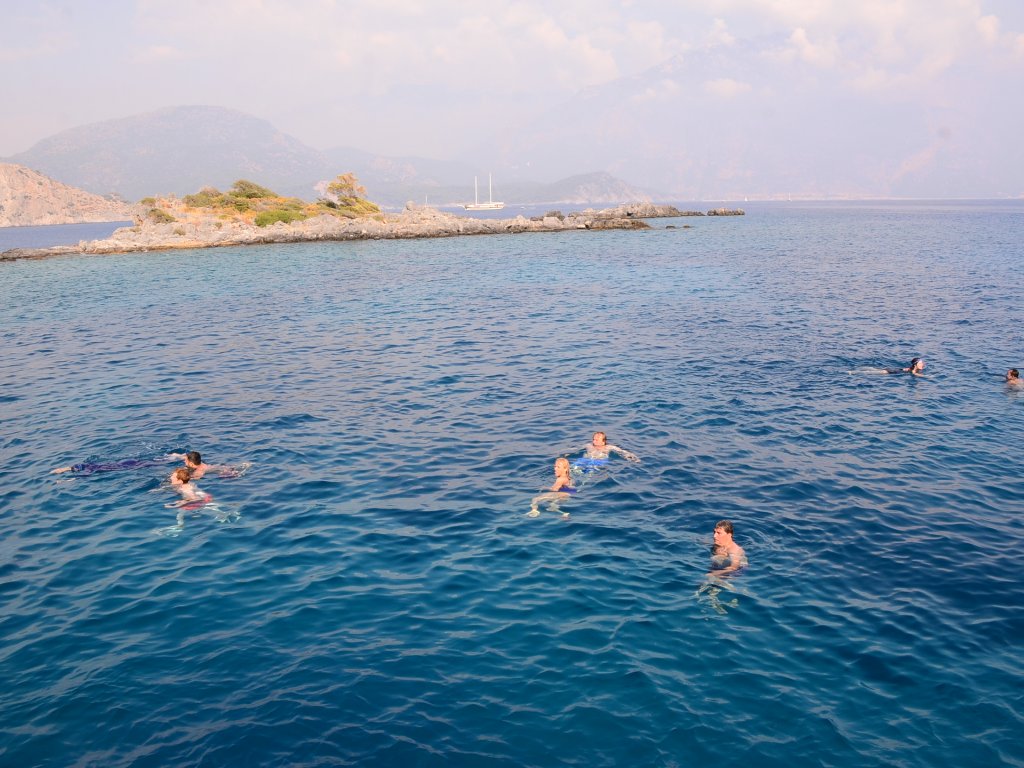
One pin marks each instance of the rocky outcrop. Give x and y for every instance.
(192, 229)
(29, 199)
(653, 211)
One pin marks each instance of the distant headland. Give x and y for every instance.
(250, 214)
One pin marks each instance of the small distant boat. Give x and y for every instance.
(490, 205)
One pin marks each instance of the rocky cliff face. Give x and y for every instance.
(28, 198)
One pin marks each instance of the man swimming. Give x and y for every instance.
(1013, 377)
(194, 461)
(915, 369)
(726, 556)
(600, 448)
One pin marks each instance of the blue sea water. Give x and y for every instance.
(59, 234)
(374, 593)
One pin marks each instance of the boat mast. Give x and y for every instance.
(476, 196)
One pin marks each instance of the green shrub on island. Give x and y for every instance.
(207, 197)
(159, 216)
(264, 207)
(353, 208)
(148, 201)
(345, 197)
(250, 190)
(281, 214)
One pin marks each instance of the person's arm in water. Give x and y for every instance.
(60, 470)
(737, 559)
(627, 455)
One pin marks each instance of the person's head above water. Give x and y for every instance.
(181, 476)
(725, 526)
(193, 459)
(1013, 375)
(916, 365)
(562, 466)
(600, 438)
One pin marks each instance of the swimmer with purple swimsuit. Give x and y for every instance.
(92, 467)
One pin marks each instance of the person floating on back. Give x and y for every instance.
(600, 448)
(915, 369)
(726, 556)
(560, 490)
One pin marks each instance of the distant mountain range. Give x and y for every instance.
(180, 150)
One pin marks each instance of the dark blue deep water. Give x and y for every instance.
(371, 592)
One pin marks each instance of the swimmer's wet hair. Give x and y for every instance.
(194, 457)
(184, 474)
(725, 525)
(1014, 373)
(914, 361)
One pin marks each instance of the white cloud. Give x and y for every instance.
(988, 28)
(660, 90)
(726, 88)
(161, 53)
(719, 34)
(825, 54)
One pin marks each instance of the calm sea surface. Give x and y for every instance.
(371, 592)
(60, 234)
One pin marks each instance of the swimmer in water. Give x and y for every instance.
(181, 481)
(194, 462)
(600, 448)
(1013, 378)
(192, 499)
(915, 369)
(560, 490)
(727, 556)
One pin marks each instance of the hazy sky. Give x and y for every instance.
(442, 78)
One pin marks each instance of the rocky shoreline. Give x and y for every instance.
(191, 229)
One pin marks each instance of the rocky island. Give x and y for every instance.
(249, 214)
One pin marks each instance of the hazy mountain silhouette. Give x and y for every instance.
(177, 151)
(180, 150)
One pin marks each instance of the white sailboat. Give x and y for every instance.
(490, 205)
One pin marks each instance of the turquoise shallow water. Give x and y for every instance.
(382, 599)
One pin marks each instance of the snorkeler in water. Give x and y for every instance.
(600, 448)
(91, 467)
(915, 369)
(560, 490)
